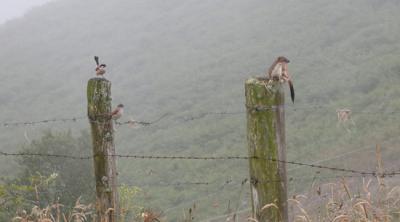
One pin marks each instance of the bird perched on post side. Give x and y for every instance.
(117, 112)
(279, 71)
(100, 68)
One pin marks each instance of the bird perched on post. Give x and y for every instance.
(117, 112)
(279, 71)
(100, 68)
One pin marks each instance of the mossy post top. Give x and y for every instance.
(99, 97)
(258, 93)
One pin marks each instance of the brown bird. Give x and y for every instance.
(100, 68)
(279, 71)
(117, 112)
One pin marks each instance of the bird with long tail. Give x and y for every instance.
(279, 71)
(100, 68)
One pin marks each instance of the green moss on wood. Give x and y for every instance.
(99, 98)
(265, 135)
(99, 109)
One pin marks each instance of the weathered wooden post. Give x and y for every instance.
(99, 109)
(266, 143)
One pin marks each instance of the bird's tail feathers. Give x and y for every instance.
(96, 59)
(291, 90)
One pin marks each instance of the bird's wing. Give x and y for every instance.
(271, 68)
(96, 58)
(115, 111)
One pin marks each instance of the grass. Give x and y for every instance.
(345, 200)
(370, 200)
(53, 213)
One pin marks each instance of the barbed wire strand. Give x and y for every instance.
(223, 184)
(76, 119)
(154, 157)
(144, 123)
(189, 118)
(45, 121)
(335, 157)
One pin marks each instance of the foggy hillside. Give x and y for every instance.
(12, 9)
(185, 58)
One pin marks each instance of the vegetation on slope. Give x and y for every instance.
(189, 57)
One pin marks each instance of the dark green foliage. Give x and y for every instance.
(74, 177)
(42, 181)
(14, 198)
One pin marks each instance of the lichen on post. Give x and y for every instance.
(266, 143)
(99, 108)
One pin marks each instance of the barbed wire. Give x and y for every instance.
(188, 118)
(74, 120)
(45, 121)
(144, 123)
(230, 182)
(155, 157)
(347, 154)
(245, 181)
(203, 115)
(47, 155)
(220, 185)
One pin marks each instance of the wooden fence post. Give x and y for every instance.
(99, 108)
(266, 143)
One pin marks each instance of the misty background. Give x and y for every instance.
(12, 9)
(186, 58)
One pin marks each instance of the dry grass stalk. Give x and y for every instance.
(344, 202)
(346, 188)
(301, 208)
(252, 219)
(341, 218)
(269, 206)
(150, 215)
(53, 213)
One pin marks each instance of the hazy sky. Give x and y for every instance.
(10, 9)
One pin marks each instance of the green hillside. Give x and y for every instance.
(186, 58)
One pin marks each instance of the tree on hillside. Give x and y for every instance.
(74, 177)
